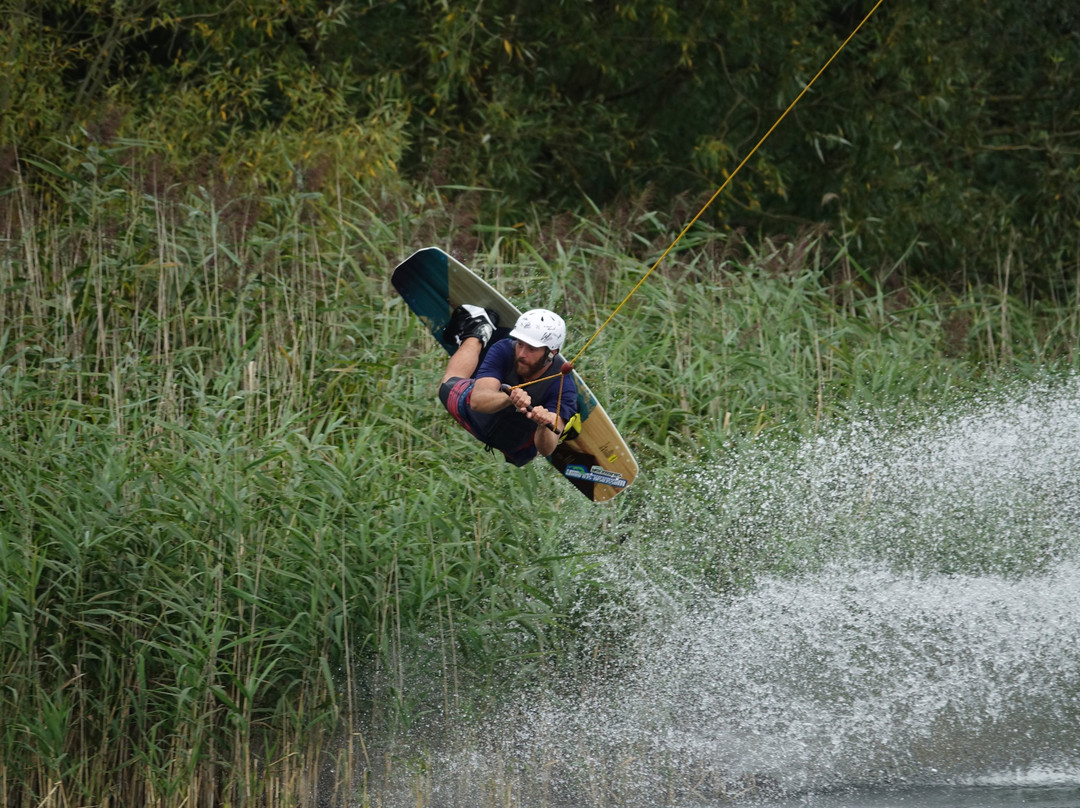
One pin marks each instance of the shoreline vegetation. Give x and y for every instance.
(242, 550)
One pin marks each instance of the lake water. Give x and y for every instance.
(985, 796)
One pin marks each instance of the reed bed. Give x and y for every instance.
(241, 548)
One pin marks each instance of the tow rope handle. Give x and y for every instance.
(567, 432)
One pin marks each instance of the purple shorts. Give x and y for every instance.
(455, 393)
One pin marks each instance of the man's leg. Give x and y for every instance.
(472, 328)
(464, 360)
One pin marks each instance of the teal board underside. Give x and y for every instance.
(424, 284)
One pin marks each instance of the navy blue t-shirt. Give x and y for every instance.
(508, 430)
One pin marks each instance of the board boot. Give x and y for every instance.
(471, 321)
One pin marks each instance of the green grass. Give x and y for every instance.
(240, 540)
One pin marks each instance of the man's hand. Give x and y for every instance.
(542, 417)
(547, 422)
(520, 400)
(546, 438)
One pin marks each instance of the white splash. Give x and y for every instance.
(871, 605)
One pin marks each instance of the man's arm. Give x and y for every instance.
(544, 438)
(487, 397)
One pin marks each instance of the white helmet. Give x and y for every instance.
(540, 328)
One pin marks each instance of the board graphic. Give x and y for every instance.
(597, 461)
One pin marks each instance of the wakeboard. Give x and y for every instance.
(597, 460)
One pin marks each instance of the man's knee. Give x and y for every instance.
(446, 390)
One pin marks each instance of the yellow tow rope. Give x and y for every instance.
(566, 368)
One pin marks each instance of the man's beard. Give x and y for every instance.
(526, 370)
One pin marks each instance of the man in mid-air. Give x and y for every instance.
(480, 387)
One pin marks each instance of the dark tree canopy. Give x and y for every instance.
(944, 133)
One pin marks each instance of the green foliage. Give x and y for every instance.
(936, 138)
(942, 135)
(962, 154)
(237, 96)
